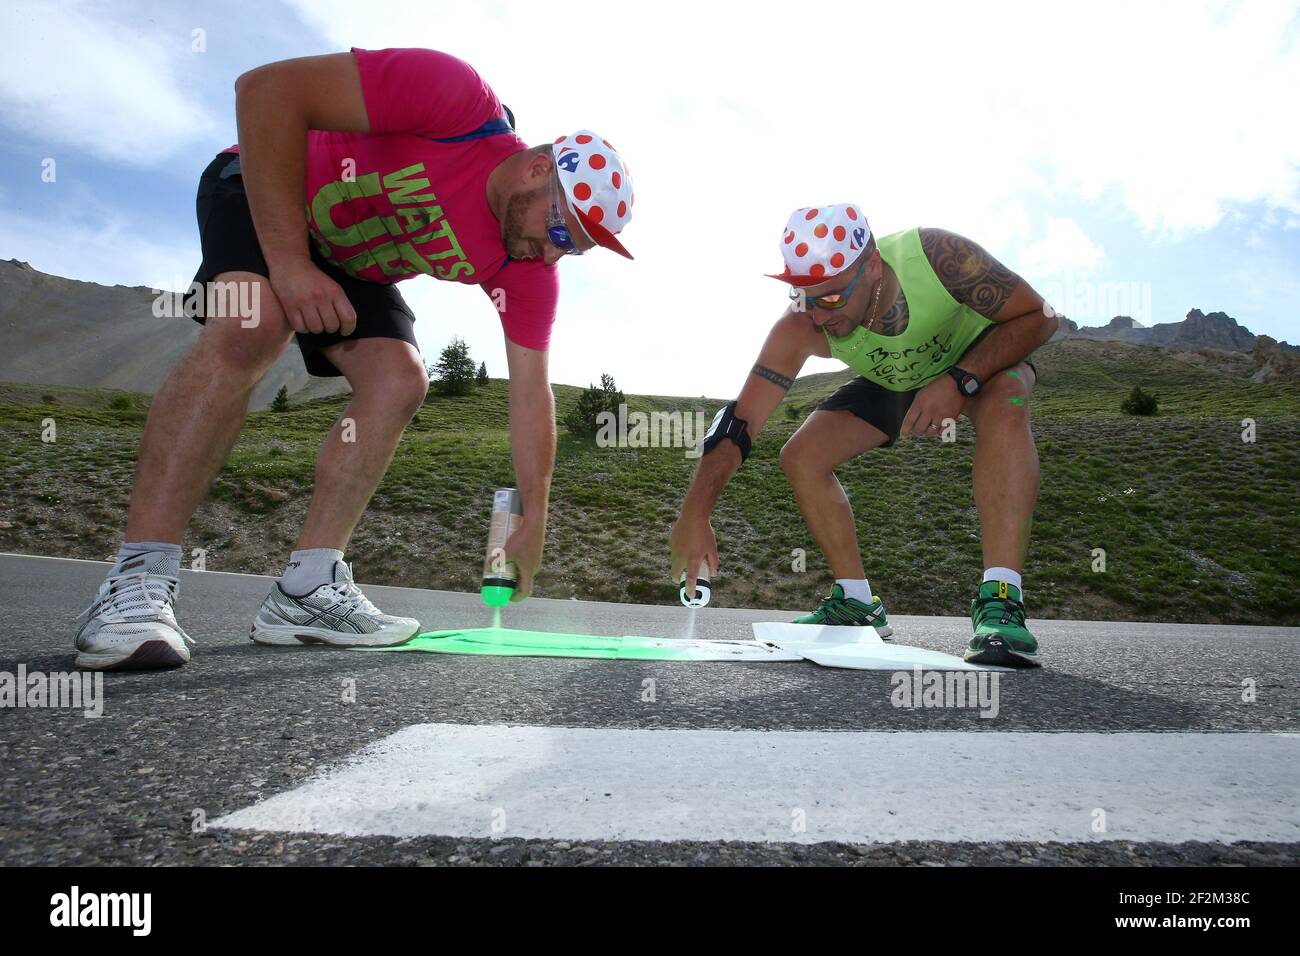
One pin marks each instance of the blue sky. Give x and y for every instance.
(1142, 147)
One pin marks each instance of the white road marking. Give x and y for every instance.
(800, 786)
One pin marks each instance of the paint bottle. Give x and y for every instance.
(702, 592)
(500, 577)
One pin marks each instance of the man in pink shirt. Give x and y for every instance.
(404, 163)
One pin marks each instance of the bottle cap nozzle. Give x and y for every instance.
(496, 595)
(702, 590)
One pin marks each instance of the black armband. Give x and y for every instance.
(772, 375)
(727, 425)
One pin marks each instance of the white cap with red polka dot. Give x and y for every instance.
(822, 241)
(597, 185)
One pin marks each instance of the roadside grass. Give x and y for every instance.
(1196, 524)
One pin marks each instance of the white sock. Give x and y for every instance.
(309, 569)
(169, 565)
(1005, 574)
(859, 589)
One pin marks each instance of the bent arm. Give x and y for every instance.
(790, 343)
(1009, 344)
(275, 106)
(974, 278)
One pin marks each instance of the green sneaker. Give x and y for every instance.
(1000, 635)
(842, 611)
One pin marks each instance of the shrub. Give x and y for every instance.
(582, 419)
(121, 403)
(281, 401)
(1139, 403)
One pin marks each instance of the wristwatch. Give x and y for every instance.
(967, 382)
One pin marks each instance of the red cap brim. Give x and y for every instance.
(599, 234)
(800, 281)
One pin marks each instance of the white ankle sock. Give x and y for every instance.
(859, 589)
(1005, 574)
(171, 561)
(309, 569)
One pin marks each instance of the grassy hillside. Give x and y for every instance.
(1197, 525)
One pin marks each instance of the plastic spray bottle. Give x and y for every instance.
(500, 577)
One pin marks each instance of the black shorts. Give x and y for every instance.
(881, 407)
(229, 244)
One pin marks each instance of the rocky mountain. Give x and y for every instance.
(57, 331)
(1218, 330)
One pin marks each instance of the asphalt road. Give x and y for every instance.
(242, 723)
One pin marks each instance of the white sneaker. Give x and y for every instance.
(131, 625)
(337, 614)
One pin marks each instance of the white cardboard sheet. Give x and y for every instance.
(857, 648)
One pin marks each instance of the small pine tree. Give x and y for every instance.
(482, 373)
(1140, 403)
(454, 372)
(281, 401)
(582, 419)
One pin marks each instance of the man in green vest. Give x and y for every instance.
(936, 328)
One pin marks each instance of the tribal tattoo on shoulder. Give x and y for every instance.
(968, 272)
(773, 376)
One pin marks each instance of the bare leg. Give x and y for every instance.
(197, 414)
(823, 443)
(1006, 474)
(388, 382)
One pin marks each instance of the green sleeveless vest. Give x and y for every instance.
(939, 328)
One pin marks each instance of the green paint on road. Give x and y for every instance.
(506, 642)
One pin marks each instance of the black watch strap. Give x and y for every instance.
(967, 382)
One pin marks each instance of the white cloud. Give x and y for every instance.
(911, 106)
(986, 119)
(966, 116)
(1007, 224)
(1065, 248)
(73, 77)
(1178, 106)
